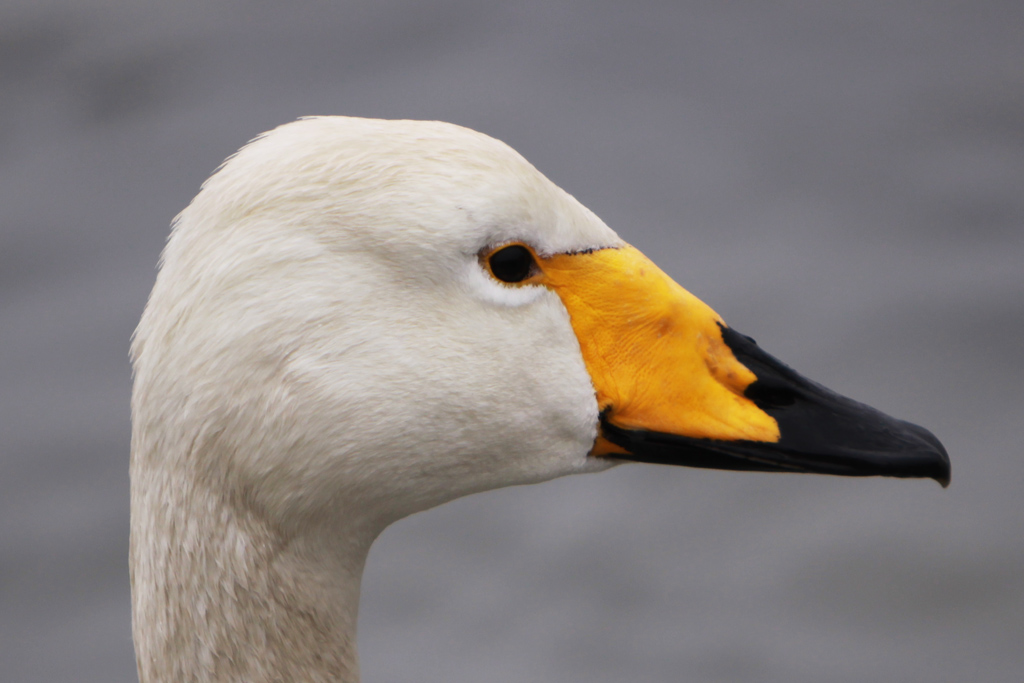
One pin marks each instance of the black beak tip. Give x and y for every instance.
(935, 459)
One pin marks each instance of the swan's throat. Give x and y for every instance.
(222, 595)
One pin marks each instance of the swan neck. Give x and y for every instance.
(219, 594)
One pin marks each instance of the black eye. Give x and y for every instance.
(514, 263)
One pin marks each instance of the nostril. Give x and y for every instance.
(772, 396)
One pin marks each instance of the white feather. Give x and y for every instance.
(323, 354)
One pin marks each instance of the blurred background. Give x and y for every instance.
(843, 181)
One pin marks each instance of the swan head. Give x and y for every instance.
(363, 319)
(324, 330)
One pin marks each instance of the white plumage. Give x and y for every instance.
(323, 354)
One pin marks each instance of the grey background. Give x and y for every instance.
(844, 181)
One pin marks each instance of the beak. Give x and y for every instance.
(676, 386)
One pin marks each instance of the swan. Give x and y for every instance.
(355, 320)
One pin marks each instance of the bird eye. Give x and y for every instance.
(513, 263)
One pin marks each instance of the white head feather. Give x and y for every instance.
(323, 353)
